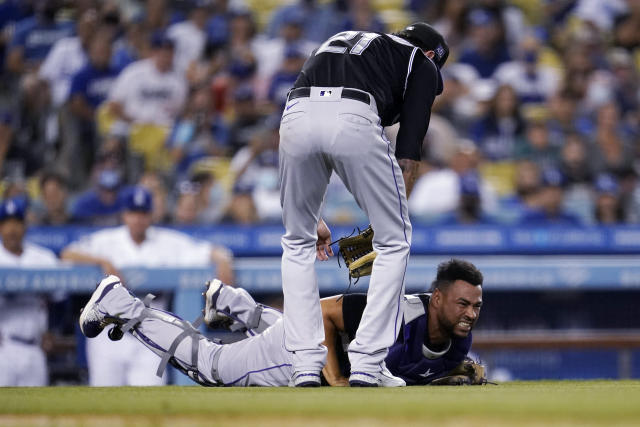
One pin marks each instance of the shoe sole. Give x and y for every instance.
(97, 295)
(214, 286)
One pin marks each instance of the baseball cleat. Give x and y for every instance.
(305, 379)
(211, 315)
(384, 378)
(92, 319)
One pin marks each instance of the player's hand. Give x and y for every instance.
(323, 247)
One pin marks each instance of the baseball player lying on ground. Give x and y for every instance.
(434, 340)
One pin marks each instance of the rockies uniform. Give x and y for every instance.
(23, 317)
(125, 362)
(261, 359)
(351, 87)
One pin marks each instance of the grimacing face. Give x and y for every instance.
(458, 308)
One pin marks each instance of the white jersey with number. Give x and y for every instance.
(148, 95)
(23, 320)
(126, 362)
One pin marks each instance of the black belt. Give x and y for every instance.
(358, 95)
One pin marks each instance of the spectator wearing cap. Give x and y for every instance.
(23, 317)
(608, 208)
(486, 48)
(550, 203)
(469, 209)
(189, 36)
(137, 243)
(533, 82)
(100, 205)
(149, 91)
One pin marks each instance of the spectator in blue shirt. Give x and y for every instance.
(34, 37)
(469, 209)
(487, 49)
(101, 205)
(550, 200)
(608, 208)
(90, 86)
(319, 21)
(283, 80)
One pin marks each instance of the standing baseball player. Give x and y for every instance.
(351, 87)
(435, 341)
(23, 316)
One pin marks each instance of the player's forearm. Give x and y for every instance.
(333, 323)
(223, 259)
(80, 258)
(409, 173)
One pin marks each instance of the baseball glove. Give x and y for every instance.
(357, 252)
(466, 373)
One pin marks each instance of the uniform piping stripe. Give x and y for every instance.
(406, 80)
(404, 228)
(258, 371)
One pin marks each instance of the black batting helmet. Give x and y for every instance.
(426, 37)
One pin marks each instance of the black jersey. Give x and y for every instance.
(402, 80)
(406, 358)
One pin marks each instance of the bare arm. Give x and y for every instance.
(117, 110)
(223, 259)
(80, 258)
(409, 173)
(333, 323)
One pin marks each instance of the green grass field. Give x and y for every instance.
(603, 403)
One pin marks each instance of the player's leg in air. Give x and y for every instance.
(259, 360)
(235, 309)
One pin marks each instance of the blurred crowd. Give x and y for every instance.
(538, 123)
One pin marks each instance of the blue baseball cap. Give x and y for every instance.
(15, 207)
(138, 199)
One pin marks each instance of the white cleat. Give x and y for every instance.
(383, 378)
(92, 319)
(305, 379)
(211, 316)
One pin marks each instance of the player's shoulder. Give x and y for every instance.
(415, 305)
